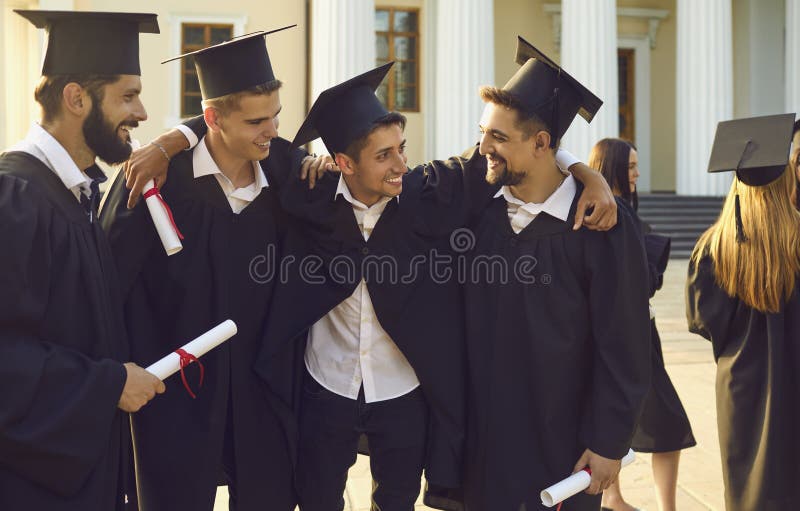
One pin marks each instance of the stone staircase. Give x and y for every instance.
(683, 218)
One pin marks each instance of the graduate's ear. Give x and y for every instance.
(76, 100)
(541, 142)
(345, 164)
(213, 118)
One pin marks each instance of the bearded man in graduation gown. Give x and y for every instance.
(64, 431)
(557, 319)
(224, 203)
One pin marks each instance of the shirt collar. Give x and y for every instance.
(556, 205)
(56, 158)
(204, 165)
(343, 190)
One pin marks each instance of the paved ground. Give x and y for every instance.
(691, 366)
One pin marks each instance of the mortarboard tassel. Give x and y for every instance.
(554, 136)
(741, 237)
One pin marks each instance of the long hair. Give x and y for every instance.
(762, 271)
(610, 156)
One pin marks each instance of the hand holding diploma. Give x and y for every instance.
(161, 214)
(140, 387)
(593, 473)
(191, 352)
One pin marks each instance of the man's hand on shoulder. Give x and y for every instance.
(314, 167)
(596, 197)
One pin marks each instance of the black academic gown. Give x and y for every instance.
(663, 425)
(61, 342)
(407, 264)
(557, 362)
(758, 391)
(219, 275)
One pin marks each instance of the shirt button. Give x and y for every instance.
(365, 250)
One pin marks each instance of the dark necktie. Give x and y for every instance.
(90, 203)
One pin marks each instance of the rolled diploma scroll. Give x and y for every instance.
(171, 364)
(574, 484)
(166, 231)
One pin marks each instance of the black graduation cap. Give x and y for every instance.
(757, 148)
(344, 112)
(233, 66)
(91, 42)
(550, 92)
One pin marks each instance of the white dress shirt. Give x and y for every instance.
(521, 213)
(239, 198)
(348, 347)
(43, 146)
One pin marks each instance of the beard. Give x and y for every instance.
(504, 176)
(101, 136)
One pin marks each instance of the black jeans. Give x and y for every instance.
(330, 426)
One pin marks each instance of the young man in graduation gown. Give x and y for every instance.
(557, 319)
(380, 320)
(224, 205)
(63, 422)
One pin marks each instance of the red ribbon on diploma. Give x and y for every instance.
(186, 359)
(154, 192)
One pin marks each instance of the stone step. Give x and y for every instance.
(682, 218)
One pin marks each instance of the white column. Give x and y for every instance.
(589, 53)
(21, 58)
(464, 62)
(704, 91)
(792, 56)
(342, 44)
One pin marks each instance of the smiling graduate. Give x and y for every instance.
(225, 205)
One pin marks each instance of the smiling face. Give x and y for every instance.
(248, 130)
(114, 113)
(379, 169)
(508, 149)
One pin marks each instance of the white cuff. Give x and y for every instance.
(565, 159)
(192, 138)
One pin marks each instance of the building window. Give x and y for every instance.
(196, 36)
(397, 39)
(627, 94)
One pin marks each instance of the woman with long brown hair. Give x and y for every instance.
(742, 295)
(664, 428)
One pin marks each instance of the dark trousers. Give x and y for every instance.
(330, 426)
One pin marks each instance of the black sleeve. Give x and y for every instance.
(710, 312)
(282, 162)
(620, 324)
(455, 191)
(57, 406)
(197, 125)
(657, 248)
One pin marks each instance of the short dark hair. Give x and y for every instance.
(354, 148)
(230, 102)
(50, 90)
(528, 122)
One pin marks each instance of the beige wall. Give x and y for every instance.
(519, 17)
(287, 52)
(415, 126)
